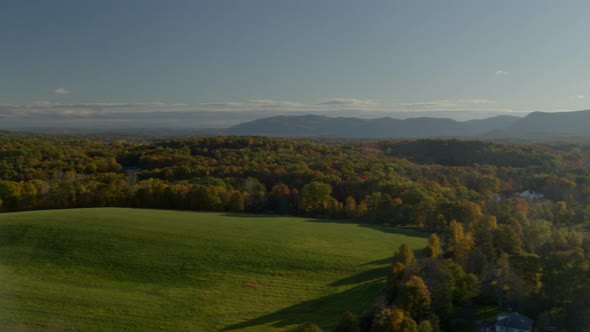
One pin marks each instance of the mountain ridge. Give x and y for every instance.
(386, 127)
(534, 125)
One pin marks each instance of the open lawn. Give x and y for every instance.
(151, 270)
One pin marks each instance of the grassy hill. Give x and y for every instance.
(147, 270)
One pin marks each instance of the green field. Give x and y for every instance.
(150, 270)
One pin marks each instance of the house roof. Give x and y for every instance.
(514, 320)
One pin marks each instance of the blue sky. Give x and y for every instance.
(79, 57)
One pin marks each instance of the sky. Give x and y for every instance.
(112, 61)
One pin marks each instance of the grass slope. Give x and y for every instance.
(142, 270)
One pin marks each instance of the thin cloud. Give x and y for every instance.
(48, 104)
(365, 103)
(53, 110)
(239, 110)
(580, 97)
(46, 108)
(501, 72)
(446, 103)
(61, 91)
(326, 104)
(252, 104)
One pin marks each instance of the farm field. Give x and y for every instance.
(146, 270)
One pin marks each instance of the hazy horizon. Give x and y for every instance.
(216, 120)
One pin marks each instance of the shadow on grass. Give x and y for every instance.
(384, 228)
(324, 311)
(382, 261)
(369, 275)
(254, 215)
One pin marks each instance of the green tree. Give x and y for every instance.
(425, 326)
(205, 198)
(436, 224)
(439, 281)
(414, 297)
(236, 202)
(316, 198)
(379, 207)
(507, 240)
(465, 285)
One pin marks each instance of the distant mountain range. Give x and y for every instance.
(537, 125)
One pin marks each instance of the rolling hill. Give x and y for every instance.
(148, 270)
